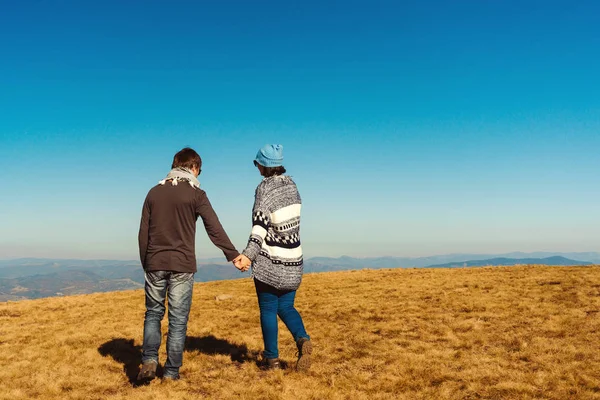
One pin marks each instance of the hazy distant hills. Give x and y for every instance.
(30, 278)
(321, 264)
(63, 283)
(556, 260)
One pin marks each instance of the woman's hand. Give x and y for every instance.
(242, 263)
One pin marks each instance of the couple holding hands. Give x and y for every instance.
(167, 253)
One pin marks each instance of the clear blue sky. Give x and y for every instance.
(411, 128)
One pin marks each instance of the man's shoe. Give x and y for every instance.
(304, 352)
(147, 372)
(272, 363)
(171, 377)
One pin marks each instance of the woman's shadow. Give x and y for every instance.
(126, 352)
(212, 345)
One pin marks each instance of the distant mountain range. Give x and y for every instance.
(63, 283)
(318, 264)
(556, 260)
(29, 278)
(37, 278)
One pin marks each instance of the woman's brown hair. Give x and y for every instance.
(267, 172)
(273, 171)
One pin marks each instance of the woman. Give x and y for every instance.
(275, 254)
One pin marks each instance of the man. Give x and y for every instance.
(167, 252)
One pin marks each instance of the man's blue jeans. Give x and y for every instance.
(273, 302)
(178, 287)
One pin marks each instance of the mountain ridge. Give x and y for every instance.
(503, 261)
(31, 278)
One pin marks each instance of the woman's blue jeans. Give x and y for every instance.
(178, 287)
(273, 302)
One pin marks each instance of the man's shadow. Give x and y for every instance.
(126, 352)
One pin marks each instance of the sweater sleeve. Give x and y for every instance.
(143, 233)
(261, 219)
(213, 226)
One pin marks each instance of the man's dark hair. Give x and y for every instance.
(187, 158)
(273, 171)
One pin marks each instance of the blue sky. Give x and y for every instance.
(411, 128)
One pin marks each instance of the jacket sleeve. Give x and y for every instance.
(261, 220)
(213, 226)
(143, 234)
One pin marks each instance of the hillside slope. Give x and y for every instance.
(503, 333)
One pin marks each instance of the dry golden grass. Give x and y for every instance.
(493, 333)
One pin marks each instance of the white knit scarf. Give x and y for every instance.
(181, 174)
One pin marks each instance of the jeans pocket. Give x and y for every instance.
(182, 276)
(155, 276)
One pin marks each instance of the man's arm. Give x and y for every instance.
(143, 234)
(213, 227)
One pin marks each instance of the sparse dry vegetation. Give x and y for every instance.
(491, 333)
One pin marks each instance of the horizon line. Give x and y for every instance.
(318, 256)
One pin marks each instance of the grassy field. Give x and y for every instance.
(469, 333)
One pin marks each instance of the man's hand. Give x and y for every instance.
(242, 263)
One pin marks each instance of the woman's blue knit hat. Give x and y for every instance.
(270, 155)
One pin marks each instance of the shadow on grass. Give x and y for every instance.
(124, 351)
(127, 353)
(212, 345)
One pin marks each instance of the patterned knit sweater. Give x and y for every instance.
(274, 244)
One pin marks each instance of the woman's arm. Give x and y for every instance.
(261, 219)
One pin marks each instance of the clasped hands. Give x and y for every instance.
(242, 263)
